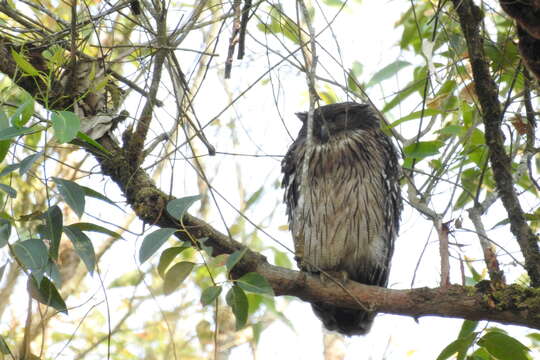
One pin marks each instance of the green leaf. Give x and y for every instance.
(96, 195)
(153, 241)
(467, 328)
(451, 130)
(281, 259)
(53, 273)
(255, 283)
(9, 169)
(84, 226)
(167, 256)
(66, 125)
(176, 275)
(178, 207)
(4, 348)
(210, 294)
(13, 131)
(12, 193)
(422, 149)
(415, 115)
(129, 279)
(24, 112)
(257, 329)
(503, 347)
(407, 91)
(387, 72)
(234, 258)
(54, 227)
(5, 232)
(5, 144)
(83, 246)
(32, 254)
(457, 346)
(23, 64)
(87, 139)
(46, 293)
(2, 269)
(237, 300)
(28, 161)
(72, 193)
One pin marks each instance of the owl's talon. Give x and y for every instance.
(332, 276)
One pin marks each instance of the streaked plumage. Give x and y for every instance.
(346, 218)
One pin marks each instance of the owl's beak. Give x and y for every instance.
(325, 132)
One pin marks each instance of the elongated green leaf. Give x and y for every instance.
(5, 144)
(467, 328)
(53, 273)
(4, 347)
(96, 195)
(237, 300)
(23, 113)
(415, 115)
(72, 193)
(153, 241)
(178, 207)
(66, 125)
(83, 246)
(13, 131)
(53, 227)
(9, 169)
(255, 283)
(422, 149)
(12, 193)
(407, 91)
(457, 346)
(46, 293)
(503, 347)
(131, 278)
(23, 64)
(5, 232)
(2, 269)
(28, 161)
(167, 256)
(176, 275)
(84, 226)
(32, 254)
(387, 72)
(210, 294)
(87, 139)
(234, 258)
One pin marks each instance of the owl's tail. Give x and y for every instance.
(343, 320)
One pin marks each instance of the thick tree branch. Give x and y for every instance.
(527, 16)
(470, 18)
(511, 305)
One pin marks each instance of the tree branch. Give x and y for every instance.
(470, 18)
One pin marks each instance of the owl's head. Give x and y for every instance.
(334, 119)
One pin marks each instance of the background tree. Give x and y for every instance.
(116, 109)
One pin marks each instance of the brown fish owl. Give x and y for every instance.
(346, 217)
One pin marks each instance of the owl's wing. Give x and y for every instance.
(291, 176)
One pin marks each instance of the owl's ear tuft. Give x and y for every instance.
(302, 116)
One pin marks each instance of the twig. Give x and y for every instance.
(136, 143)
(442, 232)
(234, 37)
(490, 258)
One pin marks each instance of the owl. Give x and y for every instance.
(344, 212)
